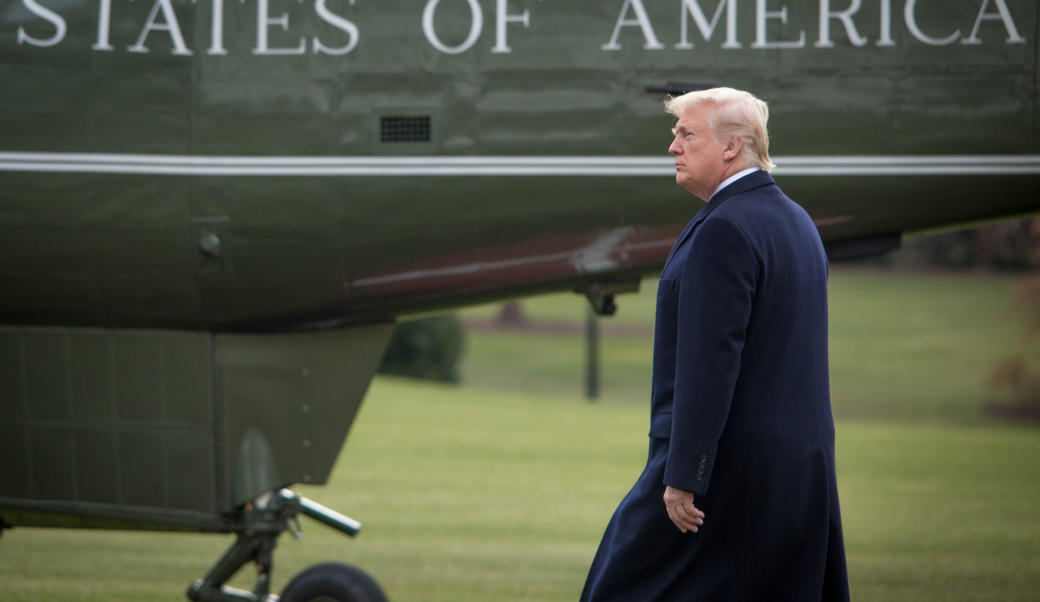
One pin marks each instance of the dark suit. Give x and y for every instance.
(740, 416)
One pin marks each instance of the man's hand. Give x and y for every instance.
(681, 510)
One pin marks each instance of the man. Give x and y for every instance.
(739, 499)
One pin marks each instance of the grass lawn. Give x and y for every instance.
(474, 495)
(500, 489)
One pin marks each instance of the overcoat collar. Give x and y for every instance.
(749, 182)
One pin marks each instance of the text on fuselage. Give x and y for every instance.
(772, 20)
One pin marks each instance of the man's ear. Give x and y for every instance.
(733, 148)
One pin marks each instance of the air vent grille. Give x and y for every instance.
(404, 128)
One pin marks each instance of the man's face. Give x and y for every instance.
(699, 164)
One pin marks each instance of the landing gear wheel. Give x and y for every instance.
(333, 582)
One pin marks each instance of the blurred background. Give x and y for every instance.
(944, 329)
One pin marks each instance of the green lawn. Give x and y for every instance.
(474, 495)
(499, 489)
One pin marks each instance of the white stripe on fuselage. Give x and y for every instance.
(225, 165)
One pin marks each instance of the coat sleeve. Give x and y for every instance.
(716, 292)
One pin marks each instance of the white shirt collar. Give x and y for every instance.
(734, 178)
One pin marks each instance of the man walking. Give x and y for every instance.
(739, 499)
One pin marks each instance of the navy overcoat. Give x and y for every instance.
(740, 416)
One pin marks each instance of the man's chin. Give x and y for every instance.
(683, 181)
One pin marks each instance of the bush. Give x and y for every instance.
(427, 348)
(1020, 372)
(1009, 245)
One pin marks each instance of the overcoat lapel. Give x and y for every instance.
(748, 182)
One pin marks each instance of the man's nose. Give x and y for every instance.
(675, 147)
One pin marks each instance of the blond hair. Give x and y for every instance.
(732, 114)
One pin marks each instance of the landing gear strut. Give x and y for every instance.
(262, 522)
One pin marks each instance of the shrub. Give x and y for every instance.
(428, 348)
(1021, 372)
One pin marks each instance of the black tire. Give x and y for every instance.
(333, 582)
